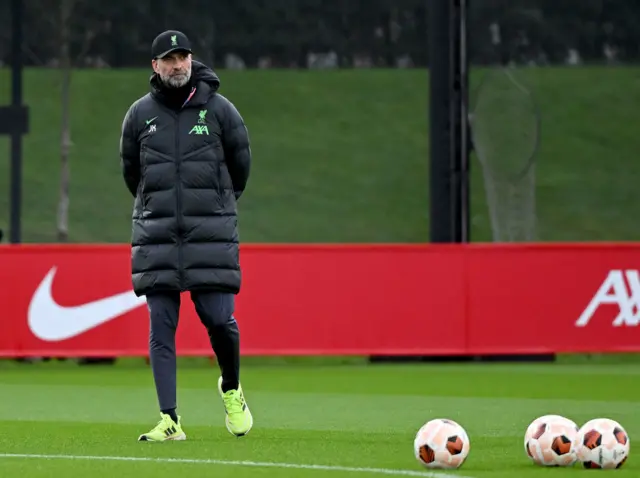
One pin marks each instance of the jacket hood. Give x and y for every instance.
(202, 73)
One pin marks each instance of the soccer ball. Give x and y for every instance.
(602, 443)
(551, 440)
(441, 443)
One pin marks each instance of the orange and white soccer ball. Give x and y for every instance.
(602, 443)
(550, 440)
(441, 443)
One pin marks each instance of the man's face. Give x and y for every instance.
(174, 69)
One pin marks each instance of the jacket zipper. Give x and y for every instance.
(179, 202)
(179, 191)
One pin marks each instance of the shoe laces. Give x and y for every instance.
(233, 401)
(164, 422)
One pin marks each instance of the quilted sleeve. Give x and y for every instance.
(130, 153)
(237, 148)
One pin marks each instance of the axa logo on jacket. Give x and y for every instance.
(201, 127)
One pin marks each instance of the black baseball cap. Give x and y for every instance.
(170, 41)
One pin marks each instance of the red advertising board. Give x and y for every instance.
(76, 300)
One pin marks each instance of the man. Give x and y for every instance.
(185, 158)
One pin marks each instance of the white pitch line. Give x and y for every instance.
(254, 464)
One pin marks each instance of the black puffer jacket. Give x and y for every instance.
(186, 167)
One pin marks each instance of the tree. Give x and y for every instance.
(68, 35)
(66, 9)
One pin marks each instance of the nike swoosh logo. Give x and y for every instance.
(52, 322)
(151, 120)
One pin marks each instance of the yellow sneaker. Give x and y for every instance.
(166, 429)
(238, 416)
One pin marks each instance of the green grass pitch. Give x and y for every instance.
(339, 156)
(311, 420)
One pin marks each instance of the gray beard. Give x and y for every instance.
(176, 81)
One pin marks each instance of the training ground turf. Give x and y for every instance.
(310, 421)
(339, 156)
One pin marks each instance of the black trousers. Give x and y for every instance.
(215, 310)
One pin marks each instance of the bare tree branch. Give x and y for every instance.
(31, 54)
(86, 45)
